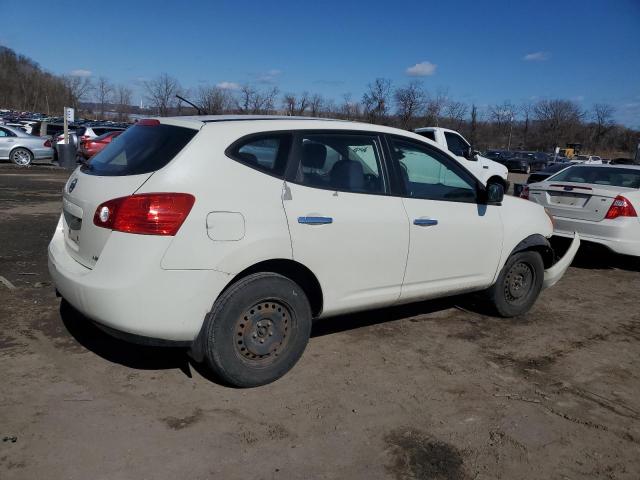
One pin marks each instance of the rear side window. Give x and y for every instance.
(140, 149)
(266, 152)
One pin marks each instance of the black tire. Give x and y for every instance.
(518, 284)
(21, 157)
(257, 330)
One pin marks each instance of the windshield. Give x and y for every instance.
(140, 149)
(617, 177)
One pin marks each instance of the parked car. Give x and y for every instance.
(485, 169)
(81, 134)
(527, 162)
(89, 148)
(545, 173)
(601, 202)
(623, 161)
(23, 149)
(275, 221)
(499, 156)
(587, 159)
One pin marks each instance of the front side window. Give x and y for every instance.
(266, 152)
(340, 161)
(5, 133)
(456, 144)
(428, 174)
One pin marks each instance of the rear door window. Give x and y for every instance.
(140, 149)
(340, 161)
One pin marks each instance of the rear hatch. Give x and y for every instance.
(120, 169)
(574, 200)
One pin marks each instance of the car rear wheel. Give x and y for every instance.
(518, 284)
(257, 330)
(22, 157)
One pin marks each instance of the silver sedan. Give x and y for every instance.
(22, 148)
(600, 202)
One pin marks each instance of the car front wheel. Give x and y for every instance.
(257, 330)
(21, 157)
(518, 284)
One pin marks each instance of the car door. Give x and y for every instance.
(455, 242)
(7, 139)
(344, 225)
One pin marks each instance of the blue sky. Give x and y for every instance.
(482, 51)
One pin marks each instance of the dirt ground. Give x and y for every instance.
(428, 391)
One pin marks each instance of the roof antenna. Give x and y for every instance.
(201, 111)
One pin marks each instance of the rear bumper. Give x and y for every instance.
(127, 290)
(555, 273)
(621, 235)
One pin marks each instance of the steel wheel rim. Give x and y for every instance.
(262, 332)
(22, 157)
(519, 282)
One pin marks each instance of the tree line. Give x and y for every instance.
(539, 125)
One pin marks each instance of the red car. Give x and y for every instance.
(88, 148)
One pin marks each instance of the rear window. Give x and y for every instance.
(617, 177)
(140, 149)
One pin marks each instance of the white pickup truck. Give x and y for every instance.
(486, 170)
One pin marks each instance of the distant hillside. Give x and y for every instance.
(24, 85)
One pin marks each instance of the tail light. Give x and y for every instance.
(145, 214)
(47, 143)
(148, 122)
(525, 192)
(621, 207)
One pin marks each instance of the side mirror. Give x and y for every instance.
(495, 193)
(467, 153)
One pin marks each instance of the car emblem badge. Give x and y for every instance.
(72, 185)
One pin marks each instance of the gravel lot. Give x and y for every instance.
(431, 390)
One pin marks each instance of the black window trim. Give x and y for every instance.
(286, 134)
(294, 158)
(449, 162)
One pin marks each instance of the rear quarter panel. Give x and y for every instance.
(221, 184)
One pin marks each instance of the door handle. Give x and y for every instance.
(425, 222)
(315, 220)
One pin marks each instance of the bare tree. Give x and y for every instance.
(504, 115)
(527, 110)
(603, 117)
(123, 102)
(349, 109)
(376, 100)
(557, 120)
(474, 126)
(294, 105)
(456, 112)
(78, 88)
(161, 93)
(214, 100)
(435, 105)
(104, 93)
(316, 105)
(410, 102)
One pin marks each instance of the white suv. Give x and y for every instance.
(229, 234)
